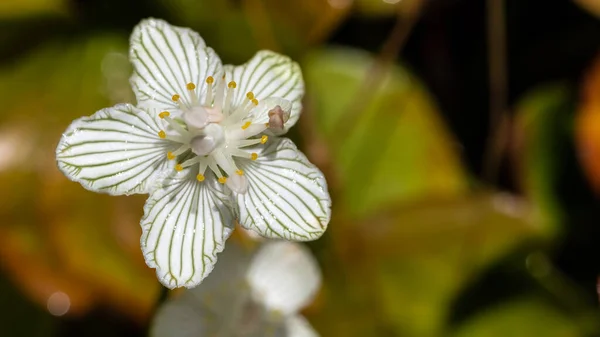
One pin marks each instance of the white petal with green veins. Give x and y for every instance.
(165, 59)
(284, 277)
(269, 74)
(287, 196)
(116, 150)
(185, 225)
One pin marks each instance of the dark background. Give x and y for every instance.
(548, 41)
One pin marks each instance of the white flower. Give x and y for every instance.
(247, 295)
(203, 142)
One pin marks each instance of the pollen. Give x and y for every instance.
(162, 134)
(246, 125)
(190, 86)
(164, 114)
(175, 98)
(250, 95)
(200, 177)
(178, 167)
(170, 155)
(264, 139)
(210, 80)
(239, 172)
(232, 85)
(254, 156)
(223, 180)
(254, 101)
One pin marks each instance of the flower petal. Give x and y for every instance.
(287, 196)
(222, 290)
(269, 74)
(298, 326)
(116, 150)
(185, 225)
(182, 317)
(284, 277)
(165, 58)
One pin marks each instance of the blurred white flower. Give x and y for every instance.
(203, 142)
(249, 295)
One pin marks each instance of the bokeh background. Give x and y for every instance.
(460, 139)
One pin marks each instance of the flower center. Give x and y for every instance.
(213, 134)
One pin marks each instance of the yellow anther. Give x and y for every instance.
(175, 98)
(190, 86)
(254, 156)
(178, 167)
(170, 155)
(223, 180)
(255, 101)
(200, 177)
(250, 95)
(239, 172)
(267, 124)
(232, 85)
(162, 134)
(264, 139)
(210, 80)
(246, 125)
(164, 114)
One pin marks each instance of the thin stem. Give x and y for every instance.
(498, 84)
(389, 52)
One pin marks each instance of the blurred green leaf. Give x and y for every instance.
(237, 29)
(60, 237)
(396, 149)
(10, 9)
(411, 261)
(385, 7)
(522, 318)
(541, 129)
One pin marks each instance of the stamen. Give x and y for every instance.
(250, 95)
(164, 114)
(254, 156)
(200, 177)
(255, 101)
(213, 166)
(175, 98)
(223, 180)
(191, 88)
(170, 155)
(191, 162)
(220, 93)
(264, 139)
(178, 167)
(239, 172)
(247, 142)
(180, 129)
(162, 134)
(246, 125)
(209, 91)
(232, 85)
(184, 147)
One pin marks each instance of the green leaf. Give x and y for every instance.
(24, 8)
(522, 318)
(237, 29)
(541, 130)
(407, 264)
(395, 149)
(56, 235)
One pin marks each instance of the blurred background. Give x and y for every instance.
(460, 139)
